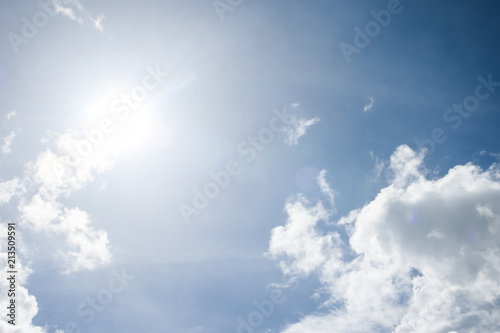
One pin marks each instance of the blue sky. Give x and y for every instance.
(251, 166)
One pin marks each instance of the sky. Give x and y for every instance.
(249, 166)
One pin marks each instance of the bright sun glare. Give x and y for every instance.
(121, 124)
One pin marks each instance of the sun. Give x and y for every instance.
(140, 131)
(120, 118)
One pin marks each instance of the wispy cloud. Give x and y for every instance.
(74, 10)
(11, 114)
(378, 167)
(325, 188)
(296, 126)
(369, 106)
(495, 155)
(7, 142)
(98, 23)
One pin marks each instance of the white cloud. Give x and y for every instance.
(435, 234)
(74, 10)
(54, 176)
(88, 248)
(379, 166)
(9, 189)
(7, 142)
(296, 128)
(51, 177)
(406, 166)
(495, 155)
(98, 22)
(309, 246)
(40, 207)
(68, 11)
(11, 114)
(39, 214)
(26, 305)
(369, 106)
(423, 256)
(325, 188)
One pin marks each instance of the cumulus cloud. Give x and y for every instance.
(51, 177)
(26, 305)
(9, 189)
(422, 256)
(86, 248)
(55, 175)
(38, 214)
(310, 248)
(46, 180)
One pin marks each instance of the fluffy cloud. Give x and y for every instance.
(54, 176)
(9, 189)
(50, 178)
(423, 256)
(26, 305)
(310, 248)
(88, 248)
